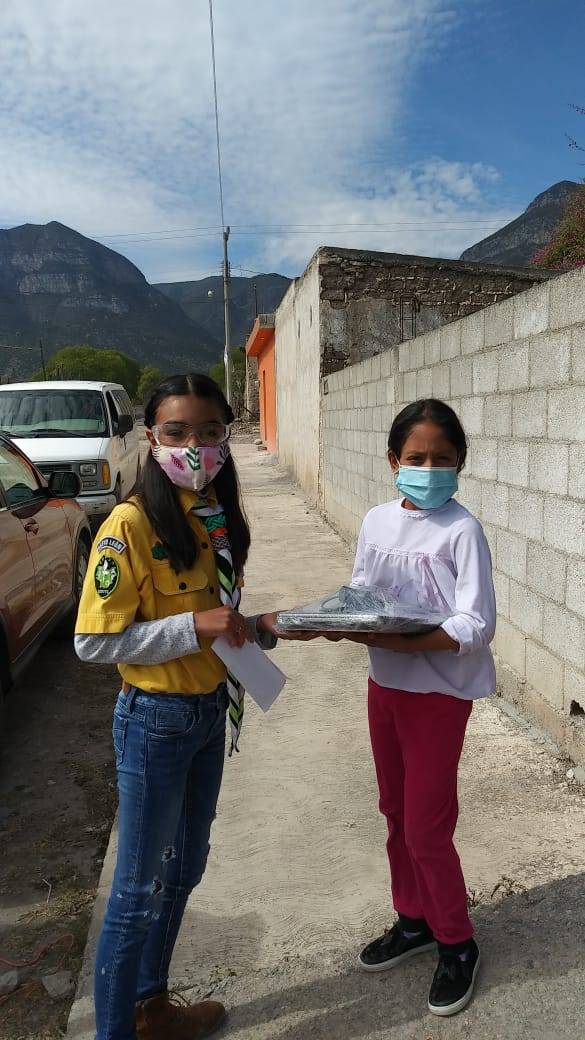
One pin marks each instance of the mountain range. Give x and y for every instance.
(58, 286)
(203, 301)
(515, 244)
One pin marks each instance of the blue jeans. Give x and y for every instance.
(169, 758)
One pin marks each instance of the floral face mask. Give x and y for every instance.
(192, 468)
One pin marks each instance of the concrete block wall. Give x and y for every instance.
(358, 406)
(515, 373)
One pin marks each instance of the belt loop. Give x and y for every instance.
(133, 691)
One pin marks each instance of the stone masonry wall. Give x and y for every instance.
(360, 294)
(515, 373)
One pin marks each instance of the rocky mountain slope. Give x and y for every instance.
(57, 285)
(207, 311)
(515, 244)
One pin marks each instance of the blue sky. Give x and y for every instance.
(428, 123)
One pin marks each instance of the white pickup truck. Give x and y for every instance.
(85, 427)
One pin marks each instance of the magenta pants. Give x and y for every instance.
(417, 741)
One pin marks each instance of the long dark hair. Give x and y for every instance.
(436, 412)
(159, 497)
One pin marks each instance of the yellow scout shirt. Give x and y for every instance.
(129, 579)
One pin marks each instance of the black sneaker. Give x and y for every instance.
(452, 987)
(393, 947)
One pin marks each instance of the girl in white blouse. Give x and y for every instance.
(421, 691)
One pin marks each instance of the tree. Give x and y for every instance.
(238, 373)
(567, 247)
(572, 142)
(90, 363)
(150, 377)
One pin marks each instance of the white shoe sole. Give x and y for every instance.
(453, 1009)
(394, 961)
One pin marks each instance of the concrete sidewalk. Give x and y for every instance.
(297, 876)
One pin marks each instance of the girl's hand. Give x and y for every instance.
(268, 623)
(222, 621)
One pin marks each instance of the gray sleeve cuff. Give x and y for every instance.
(264, 639)
(143, 642)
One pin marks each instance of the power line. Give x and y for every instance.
(462, 224)
(364, 224)
(159, 231)
(216, 113)
(333, 225)
(340, 230)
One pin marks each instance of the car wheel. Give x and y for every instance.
(66, 628)
(81, 565)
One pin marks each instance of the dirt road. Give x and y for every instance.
(57, 801)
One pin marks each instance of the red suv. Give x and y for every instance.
(45, 542)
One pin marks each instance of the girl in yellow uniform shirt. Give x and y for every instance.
(163, 582)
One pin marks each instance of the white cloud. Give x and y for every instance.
(106, 124)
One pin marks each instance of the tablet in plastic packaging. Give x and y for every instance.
(363, 609)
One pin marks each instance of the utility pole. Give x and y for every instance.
(43, 360)
(226, 309)
(255, 300)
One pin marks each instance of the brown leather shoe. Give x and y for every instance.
(171, 1017)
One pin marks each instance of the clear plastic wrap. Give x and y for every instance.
(362, 609)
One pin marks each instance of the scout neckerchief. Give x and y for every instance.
(212, 516)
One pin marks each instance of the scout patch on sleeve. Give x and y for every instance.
(112, 543)
(106, 576)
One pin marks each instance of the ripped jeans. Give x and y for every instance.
(169, 758)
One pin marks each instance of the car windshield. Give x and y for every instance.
(52, 413)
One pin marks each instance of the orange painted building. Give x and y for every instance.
(262, 346)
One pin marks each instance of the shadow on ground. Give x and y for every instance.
(532, 985)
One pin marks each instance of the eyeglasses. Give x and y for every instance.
(179, 434)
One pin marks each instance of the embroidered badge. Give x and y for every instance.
(112, 543)
(159, 552)
(106, 577)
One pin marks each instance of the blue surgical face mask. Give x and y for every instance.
(427, 487)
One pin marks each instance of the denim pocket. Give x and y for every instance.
(169, 722)
(119, 734)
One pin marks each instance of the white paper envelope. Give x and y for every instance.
(253, 668)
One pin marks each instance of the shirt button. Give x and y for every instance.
(204, 545)
(211, 589)
(182, 586)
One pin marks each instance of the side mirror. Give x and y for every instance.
(125, 425)
(65, 484)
